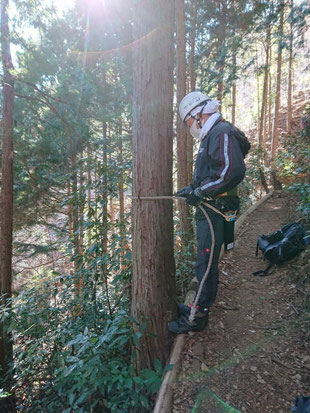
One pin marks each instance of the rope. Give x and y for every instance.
(151, 198)
(148, 198)
(227, 218)
(194, 309)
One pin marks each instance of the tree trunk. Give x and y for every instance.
(182, 166)
(6, 200)
(104, 212)
(220, 88)
(192, 45)
(76, 226)
(262, 123)
(270, 95)
(153, 285)
(234, 92)
(234, 68)
(104, 189)
(190, 142)
(263, 180)
(111, 209)
(81, 211)
(221, 62)
(275, 132)
(89, 194)
(289, 81)
(258, 100)
(70, 220)
(122, 222)
(121, 178)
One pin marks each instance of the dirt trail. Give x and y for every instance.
(255, 356)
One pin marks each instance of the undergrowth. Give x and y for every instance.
(71, 356)
(293, 163)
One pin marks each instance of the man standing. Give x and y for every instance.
(219, 168)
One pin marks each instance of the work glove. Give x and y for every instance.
(194, 197)
(184, 192)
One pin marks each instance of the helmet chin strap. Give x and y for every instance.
(199, 116)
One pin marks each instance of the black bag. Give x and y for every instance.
(242, 139)
(281, 246)
(302, 405)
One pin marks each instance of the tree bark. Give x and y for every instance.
(6, 200)
(182, 166)
(190, 142)
(263, 180)
(258, 94)
(122, 222)
(262, 124)
(70, 219)
(121, 180)
(222, 42)
(81, 212)
(153, 285)
(289, 81)
(234, 92)
(192, 45)
(89, 194)
(104, 212)
(275, 132)
(234, 68)
(104, 188)
(75, 238)
(270, 94)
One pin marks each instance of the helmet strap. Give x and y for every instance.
(199, 117)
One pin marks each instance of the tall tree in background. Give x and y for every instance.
(153, 285)
(275, 131)
(221, 46)
(263, 114)
(6, 201)
(290, 72)
(192, 42)
(182, 149)
(234, 69)
(270, 93)
(192, 80)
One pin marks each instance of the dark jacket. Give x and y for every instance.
(220, 164)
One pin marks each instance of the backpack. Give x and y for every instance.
(302, 405)
(242, 139)
(281, 246)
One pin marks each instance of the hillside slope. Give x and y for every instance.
(254, 357)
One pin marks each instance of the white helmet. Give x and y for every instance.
(191, 101)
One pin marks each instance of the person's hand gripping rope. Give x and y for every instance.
(193, 196)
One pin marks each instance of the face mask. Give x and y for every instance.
(194, 131)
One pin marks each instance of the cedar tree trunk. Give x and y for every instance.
(290, 81)
(192, 41)
(182, 166)
(275, 132)
(6, 200)
(153, 285)
(262, 124)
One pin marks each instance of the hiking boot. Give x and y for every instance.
(182, 325)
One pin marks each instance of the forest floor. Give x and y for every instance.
(255, 355)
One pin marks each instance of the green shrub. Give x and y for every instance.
(76, 359)
(293, 162)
